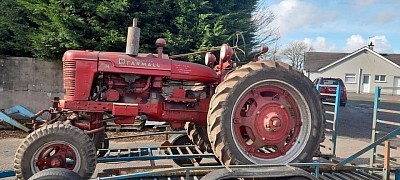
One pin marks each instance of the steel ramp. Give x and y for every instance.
(153, 153)
(16, 113)
(297, 170)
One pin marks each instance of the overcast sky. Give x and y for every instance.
(339, 25)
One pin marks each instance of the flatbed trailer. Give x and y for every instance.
(318, 169)
(323, 167)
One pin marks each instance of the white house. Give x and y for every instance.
(361, 70)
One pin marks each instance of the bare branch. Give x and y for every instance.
(262, 17)
(294, 52)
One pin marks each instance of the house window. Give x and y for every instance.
(380, 78)
(350, 78)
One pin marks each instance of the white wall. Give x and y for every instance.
(370, 64)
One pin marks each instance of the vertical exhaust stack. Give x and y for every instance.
(132, 39)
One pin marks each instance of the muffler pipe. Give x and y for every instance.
(132, 39)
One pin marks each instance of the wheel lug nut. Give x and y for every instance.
(258, 112)
(263, 138)
(282, 106)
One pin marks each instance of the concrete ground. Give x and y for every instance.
(354, 134)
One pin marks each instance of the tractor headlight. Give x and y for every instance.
(210, 59)
(226, 52)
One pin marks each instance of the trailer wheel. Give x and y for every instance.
(265, 113)
(55, 146)
(56, 174)
(198, 135)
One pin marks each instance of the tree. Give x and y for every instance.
(262, 17)
(54, 26)
(265, 34)
(75, 24)
(14, 29)
(294, 52)
(273, 52)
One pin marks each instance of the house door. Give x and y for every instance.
(365, 85)
(396, 83)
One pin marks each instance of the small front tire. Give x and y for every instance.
(56, 174)
(55, 146)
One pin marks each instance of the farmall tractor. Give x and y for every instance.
(261, 113)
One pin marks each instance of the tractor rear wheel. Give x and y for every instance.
(265, 113)
(56, 146)
(100, 140)
(198, 135)
(180, 140)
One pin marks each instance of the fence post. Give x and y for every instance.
(386, 163)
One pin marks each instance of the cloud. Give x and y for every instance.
(366, 3)
(381, 44)
(362, 3)
(354, 42)
(383, 17)
(319, 44)
(292, 15)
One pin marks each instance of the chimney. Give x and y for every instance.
(371, 46)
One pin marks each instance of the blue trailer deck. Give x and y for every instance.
(320, 168)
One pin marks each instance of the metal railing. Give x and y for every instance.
(331, 104)
(390, 132)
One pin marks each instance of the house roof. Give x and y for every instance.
(315, 60)
(319, 61)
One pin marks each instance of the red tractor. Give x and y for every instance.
(261, 113)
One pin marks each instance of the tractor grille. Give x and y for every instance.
(69, 68)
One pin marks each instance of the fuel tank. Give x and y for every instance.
(149, 64)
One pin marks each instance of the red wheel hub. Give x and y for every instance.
(266, 122)
(56, 155)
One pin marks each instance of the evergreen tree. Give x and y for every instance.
(14, 29)
(53, 26)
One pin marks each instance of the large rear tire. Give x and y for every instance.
(198, 135)
(265, 113)
(55, 146)
(100, 139)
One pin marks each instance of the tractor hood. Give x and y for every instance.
(186, 71)
(145, 64)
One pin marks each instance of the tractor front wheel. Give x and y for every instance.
(265, 113)
(56, 146)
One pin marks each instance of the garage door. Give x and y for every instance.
(396, 84)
